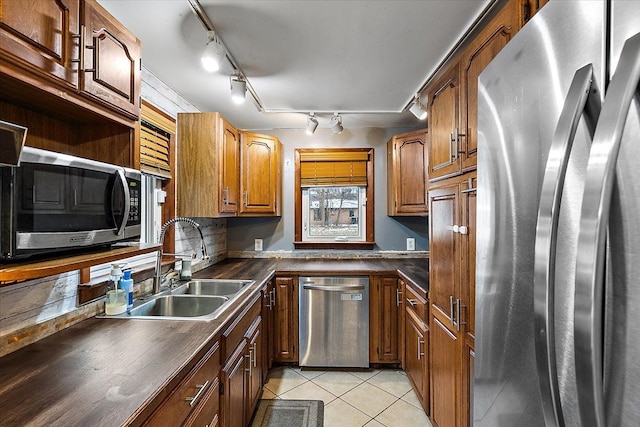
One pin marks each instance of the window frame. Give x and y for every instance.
(369, 242)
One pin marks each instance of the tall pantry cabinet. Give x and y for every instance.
(453, 146)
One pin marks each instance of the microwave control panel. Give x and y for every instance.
(134, 194)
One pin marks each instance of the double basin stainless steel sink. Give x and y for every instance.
(199, 299)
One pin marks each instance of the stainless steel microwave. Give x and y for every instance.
(54, 202)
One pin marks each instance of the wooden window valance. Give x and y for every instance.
(155, 141)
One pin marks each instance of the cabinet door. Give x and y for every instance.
(259, 174)
(468, 358)
(42, 40)
(268, 299)
(444, 266)
(416, 356)
(233, 379)
(383, 314)
(474, 60)
(444, 108)
(229, 167)
(408, 178)
(255, 349)
(445, 362)
(286, 320)
(111, 72)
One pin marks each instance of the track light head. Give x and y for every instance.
(312, 124)
(336, 124)
(213, 53)
(238, 89)
(418, 109)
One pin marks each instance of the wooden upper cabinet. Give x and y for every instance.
(260, 171)
(474, 59)
(38, 36)
(407, 174)
(444, 129)
(111, 61)
(207, 166)
(229, 166)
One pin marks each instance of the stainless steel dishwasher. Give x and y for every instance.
(334, 321)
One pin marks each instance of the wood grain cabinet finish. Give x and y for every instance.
(445, 375)
(44, 41)
(268, 315)
(285, 333)
(452, 294)
(253, 366)
(260, 171)
(111, 67)
(194, 394)
(444, 127)
(407, 174)
(233, 380)
(417, 355)
(493, 37)
(383, 319)
(208, 166)
(75, 52)
(528, 8)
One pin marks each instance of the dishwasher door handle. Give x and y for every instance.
(342, 288)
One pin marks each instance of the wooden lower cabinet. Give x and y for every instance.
(416, 360)
(285, 322)
(241, 378)
(383, 319)
(445, 375)
(233, 408)
(268, 315)
(195, 397)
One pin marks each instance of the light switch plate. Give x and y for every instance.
(411, 244)
(258, 245)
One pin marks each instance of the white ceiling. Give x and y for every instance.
(364, 58)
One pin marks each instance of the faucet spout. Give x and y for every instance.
(157, 278)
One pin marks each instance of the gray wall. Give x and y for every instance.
(277, 233)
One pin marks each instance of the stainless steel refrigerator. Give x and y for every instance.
(558, 246)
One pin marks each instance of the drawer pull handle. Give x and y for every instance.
(420, 354)
(398, 297)
(192, 400)
(412, 302)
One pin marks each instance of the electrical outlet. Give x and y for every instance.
(258, 244)
(411, 244)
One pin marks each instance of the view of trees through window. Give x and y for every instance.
(334, 211)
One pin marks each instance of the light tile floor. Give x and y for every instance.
(357, 398)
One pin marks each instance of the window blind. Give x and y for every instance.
(155, 138)
(333, 168)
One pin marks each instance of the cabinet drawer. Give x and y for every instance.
(191, 391)
(415, 302)
(236, 331)
(207, 412)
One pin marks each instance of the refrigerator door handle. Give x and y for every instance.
(583, 99)
(594, 220)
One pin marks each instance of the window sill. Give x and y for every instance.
(335, 245)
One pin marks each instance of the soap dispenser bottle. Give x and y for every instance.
(116, 297)
(126, 283)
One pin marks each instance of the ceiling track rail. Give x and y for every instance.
(201, 14)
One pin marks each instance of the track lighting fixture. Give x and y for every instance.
(238, 89)
(336, 123)
(418, 109)
(213, 53)
(312, 124)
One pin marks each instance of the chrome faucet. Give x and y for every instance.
(157, 278)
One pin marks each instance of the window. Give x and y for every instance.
(334, 213)
(334, 199)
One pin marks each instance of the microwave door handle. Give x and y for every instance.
(127, 202)
(583, 99)
(594, 222)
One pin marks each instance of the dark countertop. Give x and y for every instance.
(110, 371)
